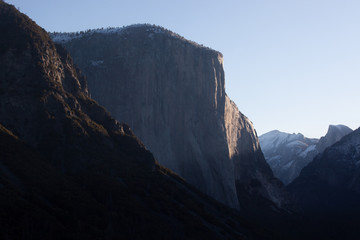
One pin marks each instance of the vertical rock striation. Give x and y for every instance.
(68, 170)
(253, 177)
(171, 92)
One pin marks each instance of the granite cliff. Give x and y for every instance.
(333, 135)
(68, 170)
(171, 92)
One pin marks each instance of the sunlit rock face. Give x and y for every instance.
(171, 92)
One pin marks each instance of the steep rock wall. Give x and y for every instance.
(255, 182)
(172, 93)
(68, 170)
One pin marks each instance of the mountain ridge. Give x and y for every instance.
(288, 153)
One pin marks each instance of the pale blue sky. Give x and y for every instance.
(289, 65)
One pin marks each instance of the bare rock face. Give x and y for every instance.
(68, 170)
(172, 94)
(253, 176)
(334, 134)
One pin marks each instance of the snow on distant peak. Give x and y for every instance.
(288, 153)
(272, 139)
(307, 150)
(275, 138)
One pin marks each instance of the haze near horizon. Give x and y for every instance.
(291, 66)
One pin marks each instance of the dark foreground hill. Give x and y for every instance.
(328, 189)
(70, 171)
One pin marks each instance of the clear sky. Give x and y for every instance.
(291, 65)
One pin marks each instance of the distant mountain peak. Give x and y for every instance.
(338, 127)
(274, 138)
(334, 134)
(288, 153)
(282, 151)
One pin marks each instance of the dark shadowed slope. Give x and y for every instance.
(331, 174)
(39, 202)
(70, 171)
(328, 189)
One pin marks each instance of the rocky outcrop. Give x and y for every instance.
(334, 134)
(68, 170)
(287, 154)
(172, 93)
